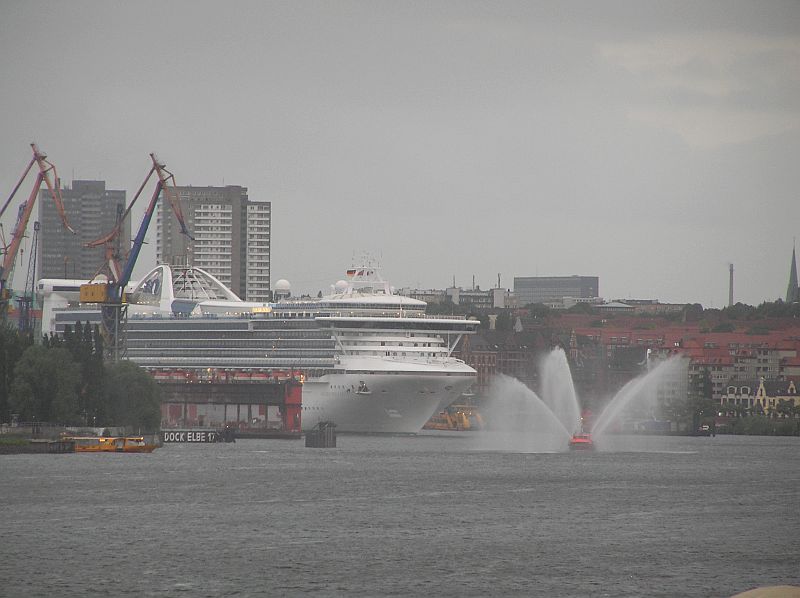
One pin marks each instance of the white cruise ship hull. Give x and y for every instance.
(393, 402)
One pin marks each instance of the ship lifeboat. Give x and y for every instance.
(581, 442)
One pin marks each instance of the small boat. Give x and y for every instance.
(581, 442)
(111, 444)
(458, 418)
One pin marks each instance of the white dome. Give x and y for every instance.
(283, 285)
(341, 286)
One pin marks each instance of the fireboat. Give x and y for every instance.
(581, 441)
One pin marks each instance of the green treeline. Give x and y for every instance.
(64, 380)
(762, 425)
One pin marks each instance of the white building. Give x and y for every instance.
(231, 237)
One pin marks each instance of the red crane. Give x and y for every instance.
(25, 210)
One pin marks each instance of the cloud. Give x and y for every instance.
(712, 89)
(709, 128)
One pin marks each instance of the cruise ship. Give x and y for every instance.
(373, 361)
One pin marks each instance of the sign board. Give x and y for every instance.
(189, 436)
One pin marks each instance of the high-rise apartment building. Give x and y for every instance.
(545, 289)
(92, 210)
(231, 237)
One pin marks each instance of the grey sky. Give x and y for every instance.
(646, 143)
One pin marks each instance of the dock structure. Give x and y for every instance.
(62, 445)
(256, 404)
(323, 436)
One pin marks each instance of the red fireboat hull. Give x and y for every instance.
(581, 442)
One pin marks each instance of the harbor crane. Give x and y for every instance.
(110, 294)
(26, 303)
(10, 250)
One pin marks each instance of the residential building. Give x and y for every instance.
(489, 299)
(762, 396)
(652, 306)
(475, 297)
(427, 295)
(730, 358)
(93, 211)
(548, 289)
(231, 237)
(482, 357)
(615, 307)
(569, 302)
(491, 353)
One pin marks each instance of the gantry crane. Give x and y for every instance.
(11, 249)
(26, 303)
(111, 293)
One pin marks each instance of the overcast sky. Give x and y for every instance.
(649, 144)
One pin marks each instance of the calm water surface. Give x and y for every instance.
(404, 516)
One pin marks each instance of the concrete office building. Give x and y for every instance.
(232, 237)
(547, 289)
(92, 210)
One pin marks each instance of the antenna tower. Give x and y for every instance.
(730, 285)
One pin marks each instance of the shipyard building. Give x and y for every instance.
(93, 211)
(231, 237)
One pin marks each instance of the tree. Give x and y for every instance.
(134, 398)
(504, 320)
(784, 408)
(45, 386)
(538, 310)
(12, 346)
(581, 308)
(692, 312)
(86, 348)
(740, 311)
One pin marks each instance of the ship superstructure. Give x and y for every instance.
(393, 365)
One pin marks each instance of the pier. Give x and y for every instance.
(252, 403)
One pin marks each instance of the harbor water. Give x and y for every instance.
(424, 515)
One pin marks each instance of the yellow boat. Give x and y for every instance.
(111, 444)
(456, 418)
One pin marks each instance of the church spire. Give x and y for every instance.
(792, 292)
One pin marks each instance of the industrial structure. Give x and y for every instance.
(730, 285)
(11, 249)
(231, 238)
(117, 268)
(256, 403)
